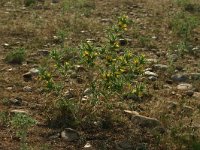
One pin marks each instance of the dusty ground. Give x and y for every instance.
(34, 28)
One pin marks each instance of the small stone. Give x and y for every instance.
(149, 73)
(123, 42)
(15, 101)
(152, 60)
(70, 135)
(144, 121)
(189, 93)
(179, 77)
(106, 20)
(27, 89)
(160, 67)
(88, 146)
(6, 44)
(34, 71)
(152, 78)
(184, 86)
(21, 111)
(9, 88)
(27, 76)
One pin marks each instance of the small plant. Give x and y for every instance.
(22, 122)
(16, 56)
(108, 70)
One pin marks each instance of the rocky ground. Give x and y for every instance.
(169, 118)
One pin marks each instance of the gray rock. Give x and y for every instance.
(34, 71)
(160, 67)
(15, 101)
(27, 76)
(144, 121)
(180, 77)
(141, 120)
(152, 78)
(184, 86)
(27, 89)
(70, 135)
(149, 73)
(189, 92)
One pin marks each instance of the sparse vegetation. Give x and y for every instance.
(95, 78)
(16, 56)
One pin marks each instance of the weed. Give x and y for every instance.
(109, 69)
(22, 122)
(16, 56)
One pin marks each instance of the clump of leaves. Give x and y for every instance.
(16, 56)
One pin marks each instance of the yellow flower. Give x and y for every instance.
(86, 53)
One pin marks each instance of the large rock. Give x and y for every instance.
(180, 77)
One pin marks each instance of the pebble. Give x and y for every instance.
(34, 71)
(160, 67)
(184, 86)
(180, 77)
(141, 120)
(149, 73)
(27, 89)
(70, 135)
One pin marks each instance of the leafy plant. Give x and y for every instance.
(22, 122)
(16, 56)
(108, 70)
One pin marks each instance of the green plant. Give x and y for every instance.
(107, 70)
(22, 122)
(16, 56)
